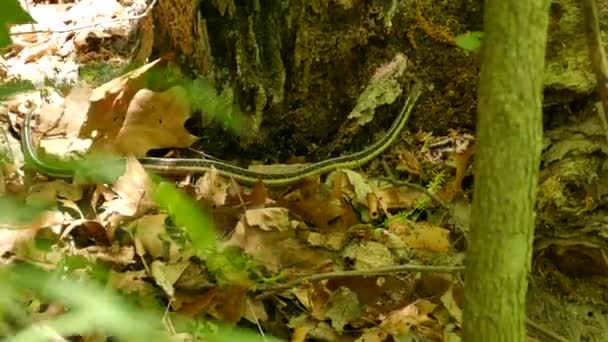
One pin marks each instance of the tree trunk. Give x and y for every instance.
(509, 132)
(299, 67)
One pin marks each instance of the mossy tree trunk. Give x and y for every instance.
(298, 67)
(509, 132)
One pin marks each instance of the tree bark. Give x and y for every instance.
(509, 132)
(297, 68)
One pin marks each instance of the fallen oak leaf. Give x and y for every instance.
(149, 118)
(110, 102)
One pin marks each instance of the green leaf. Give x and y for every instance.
(221, 106)
(187, 214)
(10, 88)
(14, 211)
(92, 308)
(11, 13)
(470, 41)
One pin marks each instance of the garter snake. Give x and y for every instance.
(188, 165)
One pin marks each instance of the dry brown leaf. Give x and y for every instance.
(409, 163)
(110, 101)
(212, 187)
(38, 49)
(49, 192)
(190, 304)
(147, 238)
(374, 334)
(128, 281)
(433, 284)
(166, 275)
(59, 123)
(133, 191)
(354, 185)
(256, 311)
(315, 205)
(230, 305)
(367, 255)
(397, 197)
(149, 119)
(378, 293)
(14, 236)
(269, 219)
(257, 197)
(420, 235)
(343, 307)
(253, 242)
(461, 162)
(87, 232)
(400, 322)
(68, 117)
(314, 298)
(286, 250)
(299, 334)
(225, 218)
(451, 303)
(122, 117)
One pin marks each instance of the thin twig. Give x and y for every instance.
(135, 17)
(597, 57)
(269, 290)
(545, 331)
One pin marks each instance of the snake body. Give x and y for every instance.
(197, 166)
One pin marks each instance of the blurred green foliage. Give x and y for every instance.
(11, 13)
(470, 41)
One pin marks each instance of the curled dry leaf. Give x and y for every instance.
(398, 197)
(357, 188)
(256, 311)
(212, 187)
(408, 162)
(269, 218)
